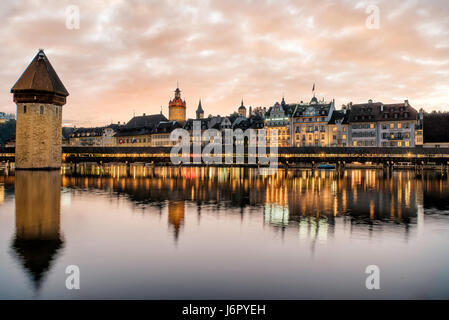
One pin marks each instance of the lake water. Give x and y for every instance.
(223, 233)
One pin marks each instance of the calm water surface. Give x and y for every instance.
(213, 233)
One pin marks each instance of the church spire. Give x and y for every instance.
(199, 111)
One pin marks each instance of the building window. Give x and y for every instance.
(371, 125)
(24, 109)
(42, 109)
(399, 125)
(391, 125)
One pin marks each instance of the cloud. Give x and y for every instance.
(128, 55)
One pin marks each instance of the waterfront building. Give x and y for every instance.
(177, 108)
(277, 118)
(419, 133)
(93, 137)
(309, 124)
(160, 136)
(375, 124)
(39, 95)
(338, 128)
(435, 129)
(397, 124)
(203, 125)
(66, 135)
(363, 124)
(138, 131)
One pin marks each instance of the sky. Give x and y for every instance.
(126, 57)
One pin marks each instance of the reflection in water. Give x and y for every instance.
(310, 200)
(184, 232)
(176, 211)
(364, 195)
(37, 239)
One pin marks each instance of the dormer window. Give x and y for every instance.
(406, 115)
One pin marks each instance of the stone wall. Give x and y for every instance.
(38, 136)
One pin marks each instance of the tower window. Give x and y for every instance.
(42, 109)
(24, 109)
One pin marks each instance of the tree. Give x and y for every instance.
(7, 131)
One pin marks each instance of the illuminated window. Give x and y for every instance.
(391, 125)
(371, 125)
(355, 143)
(399, 125)
(344, 136)
(407, 143)
(399, 144)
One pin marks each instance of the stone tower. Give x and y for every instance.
(177, 108)
(39, 95)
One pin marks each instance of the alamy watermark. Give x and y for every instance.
(372, 22)
(73, 280)
(72, 17)
(214, 147)
(372, 282)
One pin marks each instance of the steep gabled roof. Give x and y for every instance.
(40, 76)
(146, 121)
(340, 115)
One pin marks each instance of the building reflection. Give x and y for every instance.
(176, 212)
(304, 199)
(37, 239)
(435, 191)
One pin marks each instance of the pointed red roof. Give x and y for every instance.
(40, 76)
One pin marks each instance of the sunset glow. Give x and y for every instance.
(127, 56)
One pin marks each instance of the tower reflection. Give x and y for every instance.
(176, 212)
(37, 240)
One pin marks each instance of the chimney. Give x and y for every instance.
(119, 122)
(370, 101)
(406, 103)
(144, 114)
(381, 108)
